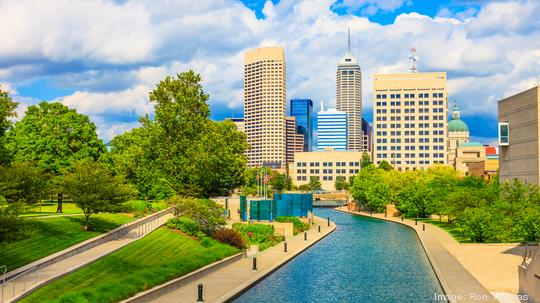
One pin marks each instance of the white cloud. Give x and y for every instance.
(127, 47)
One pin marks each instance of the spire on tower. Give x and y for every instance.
(349, 38)
(322, 106)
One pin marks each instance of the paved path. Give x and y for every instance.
(226, 282)
(56, 270)
(458, 283)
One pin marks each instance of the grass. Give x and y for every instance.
(159, 257)
(51, 235)
(259, 234)
(49, 209)
(450, 228)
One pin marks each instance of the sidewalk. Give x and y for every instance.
(231, 280)
(455, 279)
(54, 271)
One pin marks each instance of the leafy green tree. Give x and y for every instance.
(12, 226)
(95, 189)
(23, 184)
(366, 160)
(314, 183)
(278, 182)
(527, 224)
(341, 183)
(181, 147)
(477, 224)
(54, 136)
(384, 165)
(7, 111)
(371, 189)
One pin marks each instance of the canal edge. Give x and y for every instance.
(439, 274)
(235, 293)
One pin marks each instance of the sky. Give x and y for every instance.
(103, 57)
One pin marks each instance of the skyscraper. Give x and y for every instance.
(265, 106)
(302, 109)
(366, 131)
(295, 141)
(409, 120)
(349, 96)
(331, 129)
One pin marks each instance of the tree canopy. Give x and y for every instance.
(7, 111)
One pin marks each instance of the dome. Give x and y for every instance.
(457, 125)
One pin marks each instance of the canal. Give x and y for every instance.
(363, 260)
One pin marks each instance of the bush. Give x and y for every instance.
(231, 237)
(258, 234)
(298, 225)
(187, 226)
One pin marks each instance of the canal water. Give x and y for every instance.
(363, 260)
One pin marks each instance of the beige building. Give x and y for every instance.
(327, 165)
(409, 113)
(295, 142)
(458, 133)
(470, 159)
(349, 97)
(519, 146)
(265, 106)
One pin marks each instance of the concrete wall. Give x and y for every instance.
(529, 278)
(520, 159)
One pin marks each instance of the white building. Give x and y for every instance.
(332, 129)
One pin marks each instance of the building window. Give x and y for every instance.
(504, 131)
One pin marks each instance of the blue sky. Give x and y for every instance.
(102, 57)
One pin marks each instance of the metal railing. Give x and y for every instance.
(21, 276)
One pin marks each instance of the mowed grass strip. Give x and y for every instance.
(51, 235)
(49, 209)
(155, 259)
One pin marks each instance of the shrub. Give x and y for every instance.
(187, 226)
(258, 234)
(231, 237)
(298, 225)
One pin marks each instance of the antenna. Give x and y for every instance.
(322, 106)
(413, 58)
(349, 38)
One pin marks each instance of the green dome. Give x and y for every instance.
(457, 125)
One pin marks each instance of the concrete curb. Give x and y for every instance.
(86, 245)
(251, 282)
(158, 291)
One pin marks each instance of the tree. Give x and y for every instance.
(341, 183)
(371, 189)
(54, 136)
(477, 224)
(7, 111)
(314, 183)
(23, 184)
(94, 189)
(278, 182)
(181, 146)
(384, 165)
(366, 160)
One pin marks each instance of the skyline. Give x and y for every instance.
(129, 46)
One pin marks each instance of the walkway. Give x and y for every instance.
(36, 279)
(458, 283)
(229, 281)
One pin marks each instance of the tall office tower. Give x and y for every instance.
(331, 129)
(302, 109)
(295, 141)
(349, 96)
(239, 123)
(409, 114)
(265, 106)
(366, 131)
(458, 133)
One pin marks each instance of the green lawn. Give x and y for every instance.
(452, 229)
(49, 209)
(161, 256)
(51, 235)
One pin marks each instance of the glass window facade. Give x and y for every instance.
(302, 109)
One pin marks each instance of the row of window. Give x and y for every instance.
(409, 96)
(410, 155)
(410, 125)
(410, 133)
(327, 164)
(410, 147)
(409, 140)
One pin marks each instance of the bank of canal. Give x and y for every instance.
(363, 260)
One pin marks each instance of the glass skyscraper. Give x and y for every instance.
(302, 109)
(332, 130)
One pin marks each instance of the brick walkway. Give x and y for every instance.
(230, 280)
(457, 282)
(54, 271)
